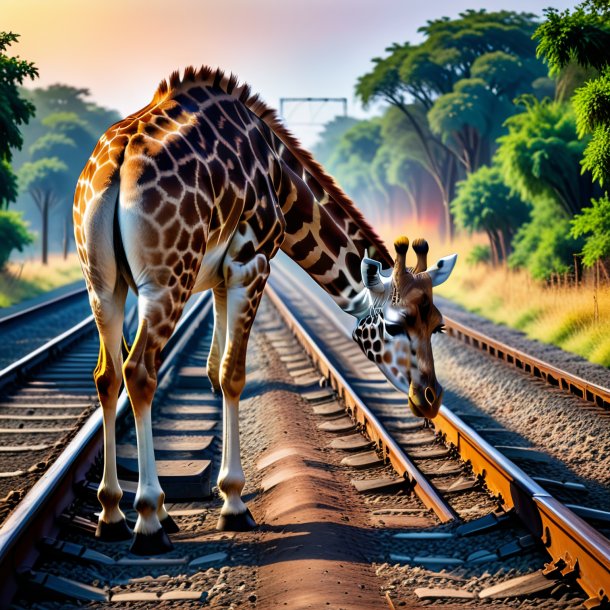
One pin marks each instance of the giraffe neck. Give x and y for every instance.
(326, 235)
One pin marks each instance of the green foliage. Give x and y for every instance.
(14, 112)
(592, 108)
(545, 245)
(595, 222)
(463, 75)
(8, 183)
(485, 203)
(14, 235)
(583, 37)
(479, 254)
(592, 104)
(540, 155)
(352, 159)
(580, 36)
(45, 176)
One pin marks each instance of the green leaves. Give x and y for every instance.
(580, 36)
(46, 174)
(14, 235)
(540, 155)
(14, 111)
(594, 222)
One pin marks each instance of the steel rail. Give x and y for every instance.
(34, 517)
(576, 548)
(530, 364)
(25, 313)
(360, 413)
(19, 369)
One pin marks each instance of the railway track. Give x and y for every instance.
(45, 397)
(536, 367)
(40, 512)
(25, 330)
(576, 549)
(434, 519)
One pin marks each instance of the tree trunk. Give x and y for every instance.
(45, 228)
(494, 249)
(66, 240)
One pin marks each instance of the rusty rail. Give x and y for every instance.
(362, 415)
(538, 368)
(577, 549)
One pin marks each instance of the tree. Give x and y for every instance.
(485, 203)
(46, 180)
(352, 160)
(14, 112)
(544, 245)
(330, 136)
(540, 156)
(403, 170)
(425, 74)
(594, 221)
(59, 155)
(14, 235)
(582, 37)
(66, 128)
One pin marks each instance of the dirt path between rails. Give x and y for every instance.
(313, 528)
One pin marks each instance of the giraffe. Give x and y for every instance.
(197, 191)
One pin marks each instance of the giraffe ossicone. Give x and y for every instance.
(198, 191)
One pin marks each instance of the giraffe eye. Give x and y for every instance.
(393, 328)
(439, 329)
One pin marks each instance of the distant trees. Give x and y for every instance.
(46, 180)
(484, 203)
(15, 111)
(59, 143)
(463, 76)
(476, 124)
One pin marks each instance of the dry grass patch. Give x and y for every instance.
(563, 316)
(20, 281)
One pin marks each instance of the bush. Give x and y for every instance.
(545, 245)
(14, 235)
(479, 254)
(594, 222)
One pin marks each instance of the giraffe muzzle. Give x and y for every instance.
(425, 403)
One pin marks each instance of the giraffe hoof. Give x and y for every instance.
(169, 525)
(151, 544)
(113, 532)
(244, 522)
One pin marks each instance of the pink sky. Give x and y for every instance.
(121, 49)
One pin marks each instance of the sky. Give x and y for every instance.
(121, 49)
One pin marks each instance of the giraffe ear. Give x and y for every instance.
(442, 269)
(371, 274)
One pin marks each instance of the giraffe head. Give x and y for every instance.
(397, 333)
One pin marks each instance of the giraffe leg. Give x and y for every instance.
(245, 284)
(107, 375)
(140, 372)
(219, 337)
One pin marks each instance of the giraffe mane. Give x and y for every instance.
(208, 76)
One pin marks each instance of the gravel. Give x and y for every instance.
(552, 354)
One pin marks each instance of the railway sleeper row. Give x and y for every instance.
(380, 526)
(565, 564)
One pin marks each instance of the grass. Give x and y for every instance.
(563, 316)
(24, 280)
